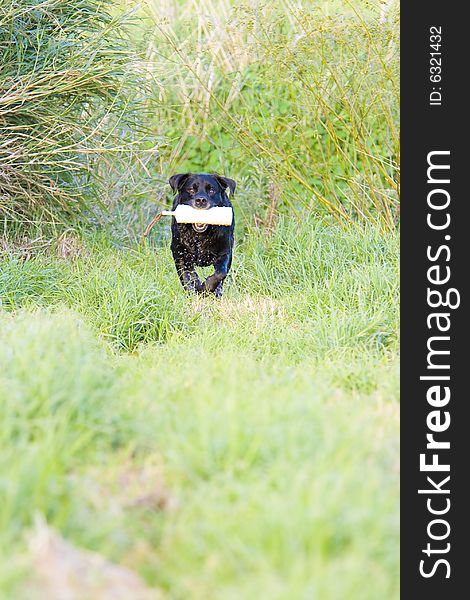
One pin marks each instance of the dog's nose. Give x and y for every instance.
(200, 202)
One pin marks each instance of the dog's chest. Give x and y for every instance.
(203, 248)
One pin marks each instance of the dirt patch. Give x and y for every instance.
(61, 571)
(131, 486)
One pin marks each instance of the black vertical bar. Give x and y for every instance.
(434, 118)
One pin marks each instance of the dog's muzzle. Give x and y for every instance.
(200, 227)
(202, 204)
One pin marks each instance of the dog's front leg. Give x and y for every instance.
(214, 283)
(188, 277)
(191, 281)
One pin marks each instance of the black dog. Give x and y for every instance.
(199, 244)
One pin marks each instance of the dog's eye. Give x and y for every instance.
(211, 192)
(192, 191)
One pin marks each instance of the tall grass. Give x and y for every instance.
(300, 97)
(67, 95)
(298, 101)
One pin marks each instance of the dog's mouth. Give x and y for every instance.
(200, 227)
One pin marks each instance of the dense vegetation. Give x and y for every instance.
(300, 102)
(66, 69)
(299, 99)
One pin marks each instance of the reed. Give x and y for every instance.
(67, 102)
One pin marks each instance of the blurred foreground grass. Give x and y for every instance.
(231, 449)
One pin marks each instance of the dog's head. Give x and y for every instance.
(202, 191)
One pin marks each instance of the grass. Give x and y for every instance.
(103, 100)
(239, 448)
(68, 106)
(300, 100)
(220, 449)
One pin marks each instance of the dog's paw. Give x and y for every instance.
(200, 288)
(219, 290)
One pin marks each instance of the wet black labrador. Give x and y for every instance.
(200, 245)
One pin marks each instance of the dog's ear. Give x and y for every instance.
(176, 181)
(225, 182)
